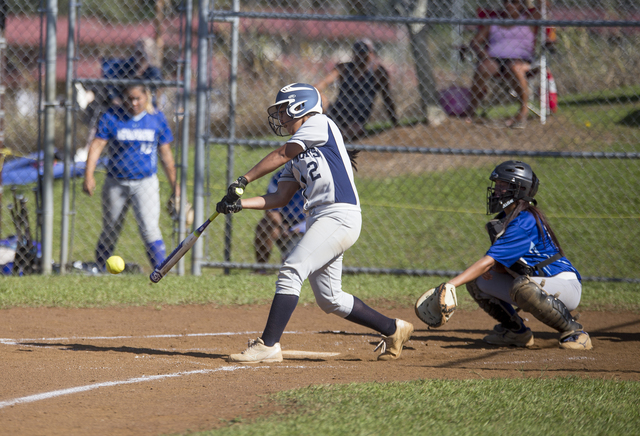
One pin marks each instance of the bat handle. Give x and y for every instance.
(155, 276)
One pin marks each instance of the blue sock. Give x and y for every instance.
(281, 310)
(102, 254)
(517, 324)
(366, 316)
(156, 252)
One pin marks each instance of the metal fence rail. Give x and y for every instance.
(476, 152)
(421, 183)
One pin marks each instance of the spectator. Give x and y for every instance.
(135, 133)
(506, 52)
(359, 82)
(284, 226)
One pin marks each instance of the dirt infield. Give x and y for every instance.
(149, 371)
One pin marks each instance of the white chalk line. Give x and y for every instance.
(78, 389)
(8, 341)
(144, 378)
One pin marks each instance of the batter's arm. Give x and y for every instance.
(274, 160)
(95, 150)
(280, 198)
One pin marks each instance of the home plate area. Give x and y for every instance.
(159, 370)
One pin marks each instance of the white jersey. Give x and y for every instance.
(323, 169)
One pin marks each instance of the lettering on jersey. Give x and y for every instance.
(140, 135)
(312, 165)
(312, 152)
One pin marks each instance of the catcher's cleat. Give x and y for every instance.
(392, 345)
(258, 352)
(578, 340)
(508, 337)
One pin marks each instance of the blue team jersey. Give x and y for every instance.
(292, 212)
(522, 241)
(133, 142)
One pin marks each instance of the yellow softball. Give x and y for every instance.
(115, 265)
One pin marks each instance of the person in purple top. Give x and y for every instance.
(524, 267)
(507, 52)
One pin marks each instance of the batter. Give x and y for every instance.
(316, 161)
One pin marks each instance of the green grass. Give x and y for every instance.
(241, 287)
(528, 406)
(435, 220)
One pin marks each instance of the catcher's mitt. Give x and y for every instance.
(437, 305)
(173, 208)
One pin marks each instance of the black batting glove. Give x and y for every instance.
(236, 189)
(226, 206)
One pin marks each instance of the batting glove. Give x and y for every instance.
(226, 206)
(235, 190)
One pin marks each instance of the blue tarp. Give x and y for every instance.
(24, 170)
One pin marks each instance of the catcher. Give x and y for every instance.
(524, 267)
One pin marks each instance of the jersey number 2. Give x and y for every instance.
(313, 170)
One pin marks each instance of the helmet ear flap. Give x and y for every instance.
(535, 182)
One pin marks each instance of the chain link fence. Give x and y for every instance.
(427, 146)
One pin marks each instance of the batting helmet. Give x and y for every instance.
(523, 185)
(300, 100)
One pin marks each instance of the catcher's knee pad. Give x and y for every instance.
(530, 297)
(502, 311)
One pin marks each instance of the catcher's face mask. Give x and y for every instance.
(501, 194)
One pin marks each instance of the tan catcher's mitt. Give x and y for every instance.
(437, 305)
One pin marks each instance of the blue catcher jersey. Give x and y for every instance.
(522, 241)
(133, 142)
(323, 169)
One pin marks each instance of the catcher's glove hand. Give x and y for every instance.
(173, 208)
(437, 305)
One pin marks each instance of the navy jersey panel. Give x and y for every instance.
(343, 188)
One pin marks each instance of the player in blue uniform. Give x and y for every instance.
(135, 134)
(316, 160)
(524, 267)
(284, 226)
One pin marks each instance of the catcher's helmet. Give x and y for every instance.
(300, 100)
(523, 185)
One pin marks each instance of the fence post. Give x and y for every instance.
(68, 121)
(49, 136)
(201, 102)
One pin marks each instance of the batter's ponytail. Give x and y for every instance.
(353, 155)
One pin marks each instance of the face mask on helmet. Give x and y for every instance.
(510, 181)
(295, 100)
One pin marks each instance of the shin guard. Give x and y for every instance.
(530, 297)
(502, 311)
